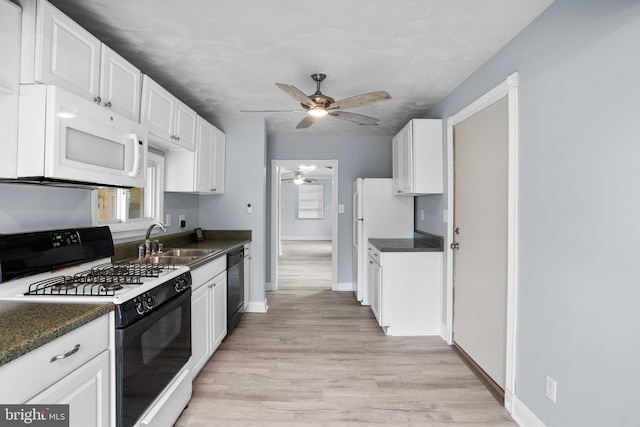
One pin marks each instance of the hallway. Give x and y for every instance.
(318, 358)
(305, 264)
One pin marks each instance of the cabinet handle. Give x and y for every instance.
(107, 104)
(211, 285)
(97, 99)
(177, 138)
(370, 262)
(74, 350)
(375, 254)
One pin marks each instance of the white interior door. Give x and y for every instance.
(481, 230)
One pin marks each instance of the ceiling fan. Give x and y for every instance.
(298, 178)
(319, 105)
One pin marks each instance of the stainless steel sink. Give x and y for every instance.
(188, 252)
(166, 260)
(177, 256)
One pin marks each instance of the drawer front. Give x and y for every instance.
(374, 253)
(32, 373)
(208, 271)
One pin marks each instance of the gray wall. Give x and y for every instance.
(245, 182)
(294, 227)
(358, 157)
(578, 319)
(25, 208)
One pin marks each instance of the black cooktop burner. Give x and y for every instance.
(103, 279)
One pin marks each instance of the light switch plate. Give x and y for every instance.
(340, 208)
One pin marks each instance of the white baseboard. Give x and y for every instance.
(413, 330)
(523, 415)
(306, 238)
(445, 333)
(343, 287)
(257, 307)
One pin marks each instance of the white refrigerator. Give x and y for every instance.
(377, 213)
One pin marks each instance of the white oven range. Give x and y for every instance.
(152, 312)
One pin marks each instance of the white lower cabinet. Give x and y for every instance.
(208, 311)
(218, 294)
(405, 291)
(85, 390)
(247, 274)
(73, 369)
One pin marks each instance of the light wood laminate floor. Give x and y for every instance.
(305, 264)
(318, 358)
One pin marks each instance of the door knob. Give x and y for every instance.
(455, 246)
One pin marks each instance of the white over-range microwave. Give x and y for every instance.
(64, 139)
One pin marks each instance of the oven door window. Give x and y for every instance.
(149, 354)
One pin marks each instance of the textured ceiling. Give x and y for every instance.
(222, 56)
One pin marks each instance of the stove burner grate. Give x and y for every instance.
(103, 279)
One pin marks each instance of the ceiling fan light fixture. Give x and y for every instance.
(318, 112)
(298, 181)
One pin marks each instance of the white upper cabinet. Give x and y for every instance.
(199, 171)
(57, 51)
(119, 84)
(9, 80)
(66, 54)
(171, 123)
(417, 158)
(218, 162)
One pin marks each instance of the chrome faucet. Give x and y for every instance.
(150, 248)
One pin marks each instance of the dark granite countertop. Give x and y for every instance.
(25, 326)
(225, 240)
(421, 242)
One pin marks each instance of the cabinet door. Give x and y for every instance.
(67, 55)
(218, 165)
(200, 329)
(85, 390)
(119, 84)
(397, 164)
(158, 107)
(374, 276)
(185, 126)
(219, 285)
(403, 151)
(204, 157)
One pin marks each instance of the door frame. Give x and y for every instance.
(507, 88)
(276, 203)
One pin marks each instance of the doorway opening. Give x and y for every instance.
(304, 224)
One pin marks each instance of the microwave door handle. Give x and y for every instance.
(136, 155)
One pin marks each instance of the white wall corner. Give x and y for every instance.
(257, 307)
(523, 415)
(343, 287)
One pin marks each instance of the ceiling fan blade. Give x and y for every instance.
(306, 122)
(356, 101)
(272, 111)
(297, 94)
(355, 118)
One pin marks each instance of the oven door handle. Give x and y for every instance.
(73, 351)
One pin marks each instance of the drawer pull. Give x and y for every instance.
(74, 350)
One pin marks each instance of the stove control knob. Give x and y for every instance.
(140, 309)
(150, 301)
(180, 285)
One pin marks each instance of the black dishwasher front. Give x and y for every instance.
(235, 288)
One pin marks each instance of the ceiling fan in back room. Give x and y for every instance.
(319, 105)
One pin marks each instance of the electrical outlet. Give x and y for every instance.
(421, 214)
(445, 216)
(340, 208)
(550, 389)
(167, 219)
(182, 220)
